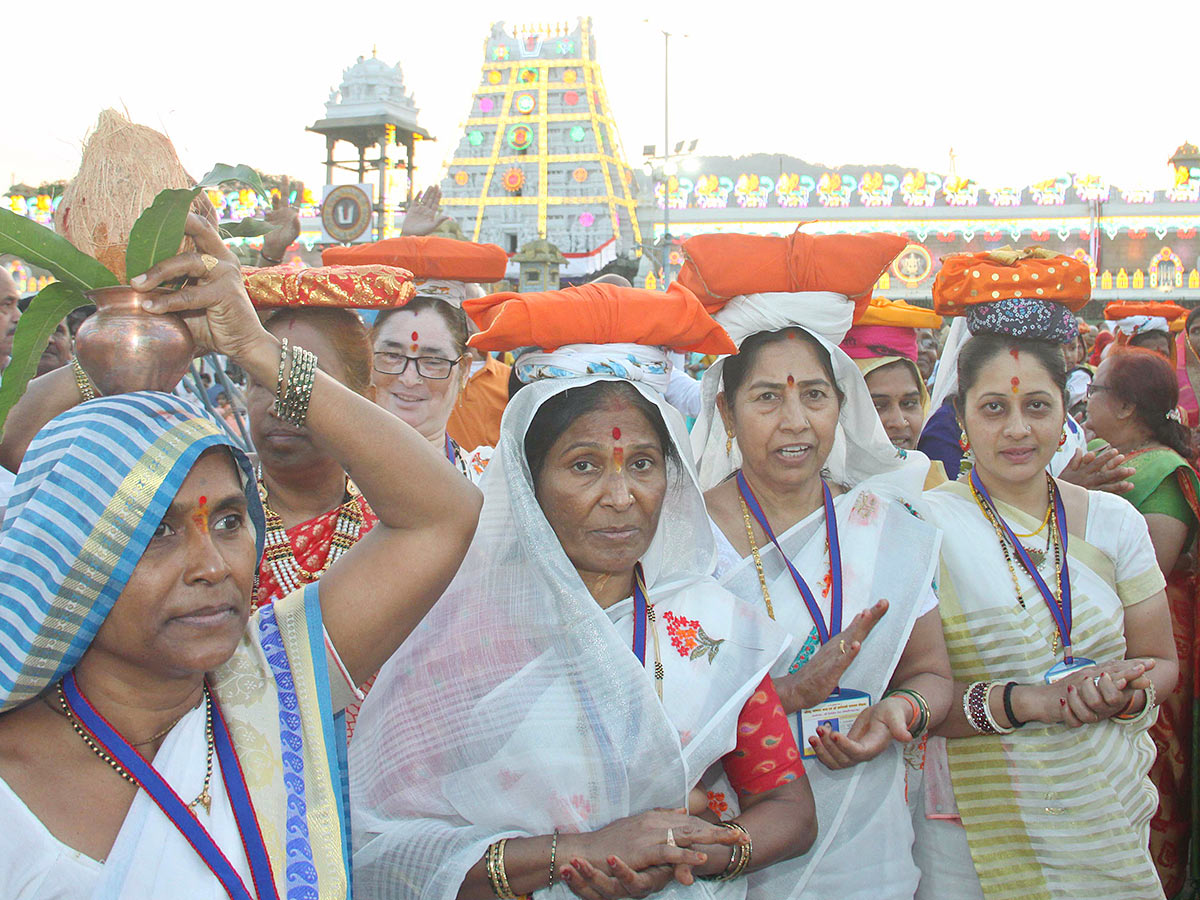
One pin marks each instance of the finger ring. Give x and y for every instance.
(1096, 681)
(671, 838)
(210, 262)
(842, 645)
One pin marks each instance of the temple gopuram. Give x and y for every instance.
(1139, 244)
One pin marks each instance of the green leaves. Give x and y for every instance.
(46, 310)
(39, 246)
(222, 174)
(158, 232)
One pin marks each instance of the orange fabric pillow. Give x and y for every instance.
(898, 314)
(426, 257)
(1165, 309)
(970, 278)
(719, 267)
(596, 314)
(364, 287)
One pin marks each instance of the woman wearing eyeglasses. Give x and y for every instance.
(420, 367)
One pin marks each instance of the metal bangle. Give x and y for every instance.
(553, 854)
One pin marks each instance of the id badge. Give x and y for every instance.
(838, 713)
(1061, 670)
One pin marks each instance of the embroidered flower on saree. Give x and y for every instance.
(716, 802)
(689, 639)
(865, 509)
(810, 647)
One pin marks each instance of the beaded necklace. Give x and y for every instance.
(1055, 540)
(203, 799)
(277, 549)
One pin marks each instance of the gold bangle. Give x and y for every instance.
(506, 888)
(738, 860)
(493, 873)
(86, 389)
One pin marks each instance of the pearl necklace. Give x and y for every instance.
(277, 549)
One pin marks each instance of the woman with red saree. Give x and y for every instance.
(1133, 407)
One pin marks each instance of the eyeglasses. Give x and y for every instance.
(434, 367)
(1093, 388)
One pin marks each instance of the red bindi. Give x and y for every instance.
(1016, 383)
(416, 337)
(791, 381)
(1016, 354)
(616, 434)
(200, 516)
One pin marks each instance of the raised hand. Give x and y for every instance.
(817, 678)
(423, 215)
(875, 727)
(1099, 470)
(214, 303)
(286, 220)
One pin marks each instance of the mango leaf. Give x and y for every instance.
(246, 228)
(46, 310)
(158, 231)
(223, 174)
(41, 247)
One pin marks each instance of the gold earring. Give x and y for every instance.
(729, 443)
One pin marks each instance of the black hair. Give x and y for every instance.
(737, 367)
(1146, 338)
(558, 413)
(981, 348)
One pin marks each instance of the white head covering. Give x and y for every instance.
(861, 448)
(631, 362)
(1134, 325)
(516, 707)
(453, 292)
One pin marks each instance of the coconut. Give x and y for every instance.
(123, 167)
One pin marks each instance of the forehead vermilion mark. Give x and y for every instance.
(619, 458)
(1016, 384)
(200, 516)
(616, 433)
(1016, 354)
(791, 380)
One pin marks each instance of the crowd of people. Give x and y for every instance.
(786, 591)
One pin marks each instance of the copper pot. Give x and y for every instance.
(124, 348)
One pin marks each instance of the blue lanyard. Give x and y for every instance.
(1061, 613)
(450, 455)
(173, 807)
(639, 614)
(824, 632)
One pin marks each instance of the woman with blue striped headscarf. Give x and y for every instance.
(155, 738)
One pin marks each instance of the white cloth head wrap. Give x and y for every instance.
(453, 292)
(631, 362)
(1134, 325)
(861, 448)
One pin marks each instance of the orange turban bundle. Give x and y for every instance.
(426, 257)
(969, 279)
(898, 314)
(1162, 309)
(362, 287)
(719, 267)
(596, 314)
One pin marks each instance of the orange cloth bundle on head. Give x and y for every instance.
(596, 314)
(898, 314)
(719, 267)
(365, 287)
(969, 279)
(427, 257)
(1159, 309)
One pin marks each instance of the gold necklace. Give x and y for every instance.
(277, 549)
(1045, 519)
(758, 566)
(1055, 539)
(204, 799)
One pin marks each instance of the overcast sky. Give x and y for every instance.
(1021, 91)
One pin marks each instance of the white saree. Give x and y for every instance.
(1048, 812)
(887, 552)
(518, 707)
